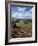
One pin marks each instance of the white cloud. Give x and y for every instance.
(14, 14)
(22, 15)
(21, 8)
(30, 10)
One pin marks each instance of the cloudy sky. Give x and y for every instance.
(21, 12)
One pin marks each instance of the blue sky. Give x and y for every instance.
(21, 12)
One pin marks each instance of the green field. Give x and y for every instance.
(25, 24)
(21, 28)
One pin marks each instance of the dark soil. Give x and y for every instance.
(21, 33)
